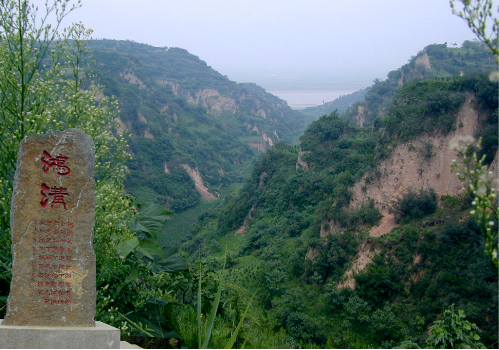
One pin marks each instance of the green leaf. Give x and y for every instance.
(213, 314)
(232, 339)
(150, 218)
(150, 249)
(146, 224)
(173, 263)
(124, 248)
(133, 275)
(153, 210)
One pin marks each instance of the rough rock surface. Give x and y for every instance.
(52, 224)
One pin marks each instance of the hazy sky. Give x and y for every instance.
(309, 43)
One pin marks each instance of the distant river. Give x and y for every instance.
(300, 99)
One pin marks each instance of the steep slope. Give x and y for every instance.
(436, 61)
(184, 116)
(342, 104)
(312, 226)
(421, 164)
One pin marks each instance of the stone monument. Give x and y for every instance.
(52, 225)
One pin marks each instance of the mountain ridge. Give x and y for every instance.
(182, 113)
(312, 227)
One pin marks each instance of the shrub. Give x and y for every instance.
(415, 205)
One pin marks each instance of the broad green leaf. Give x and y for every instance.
(153, 210)
(150, 218)
(132, 276)
(124, 248)
(150, 249)
(173, 263)
(168, 251)
(146, 224)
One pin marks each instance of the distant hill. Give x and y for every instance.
(192, 128)
(436, 61)
(342, 104)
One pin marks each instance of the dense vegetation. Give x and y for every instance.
(288, 236)
(45, 86)
(436, 61)
(342, 104)
(290, 232)
(181, 111)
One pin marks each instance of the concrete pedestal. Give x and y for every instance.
(102, 336)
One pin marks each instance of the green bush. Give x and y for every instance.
(415, 205)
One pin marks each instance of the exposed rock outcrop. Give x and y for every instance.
(367, 251)
(300, 163)
(423, 60)
(132, 78)
(214, 102)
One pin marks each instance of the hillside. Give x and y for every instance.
(436, 61)
(313, 227)
(342, 104)
(192, 129)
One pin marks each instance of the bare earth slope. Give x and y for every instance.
(422, 163)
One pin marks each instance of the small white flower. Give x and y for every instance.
(459, 143)
(494, 76)
(481, 192)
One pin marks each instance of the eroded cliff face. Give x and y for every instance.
(422, 163)
(214, 102)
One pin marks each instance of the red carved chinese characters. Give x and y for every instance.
(57, 193)
(52, 270)
(57, 163)
(57, 302)
(52, 252)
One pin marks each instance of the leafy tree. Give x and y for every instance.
(41, 89)
(479, 13)
(453, 331)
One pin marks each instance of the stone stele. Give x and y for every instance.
(52, 225)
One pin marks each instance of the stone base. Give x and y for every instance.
(102, 336)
